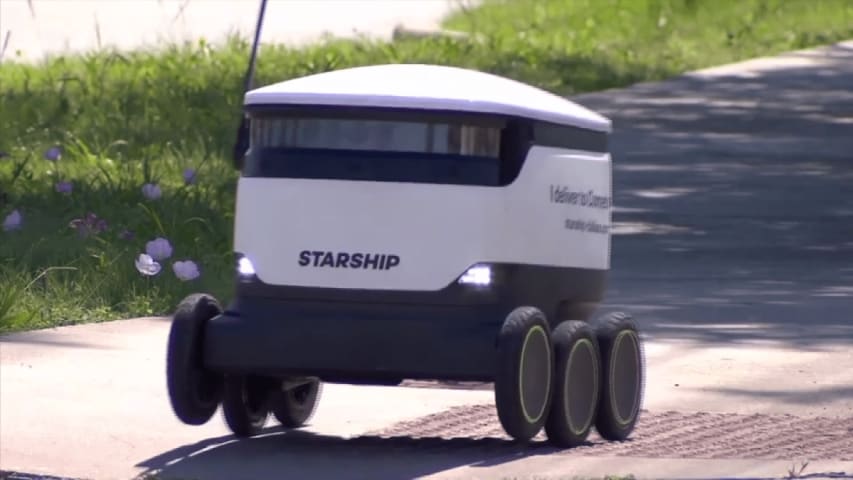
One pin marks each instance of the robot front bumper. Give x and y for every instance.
(358, 336)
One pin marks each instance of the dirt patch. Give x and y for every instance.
(659, 435)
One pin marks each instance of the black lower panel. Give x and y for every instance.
(355, 343)
(368, 336)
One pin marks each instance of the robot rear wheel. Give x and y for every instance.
(622, 375)
(569, 380)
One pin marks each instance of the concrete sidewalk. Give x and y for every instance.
(89, 401)
(735, 254)
(52, 26)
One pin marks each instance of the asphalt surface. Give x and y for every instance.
(742, 178)
(734, 252)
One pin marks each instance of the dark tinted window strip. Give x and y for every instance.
(376, 113)
(377, 135)
(574, 138)
(544, 133)
(373, 166)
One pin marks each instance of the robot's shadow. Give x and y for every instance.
(304, 454)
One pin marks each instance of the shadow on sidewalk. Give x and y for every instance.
(734, 202)
(436, 447)
(301, 454)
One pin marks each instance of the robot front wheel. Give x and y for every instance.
(569, 380)
(195, 393)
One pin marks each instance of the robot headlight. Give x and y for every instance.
(245, 268)
(480, 275)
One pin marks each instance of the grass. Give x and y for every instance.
(124, 119)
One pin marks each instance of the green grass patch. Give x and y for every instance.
(124, 119)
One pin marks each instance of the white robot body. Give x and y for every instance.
(396, 177)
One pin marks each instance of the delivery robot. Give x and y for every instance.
(409, 221)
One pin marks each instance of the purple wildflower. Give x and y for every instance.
(13, 221)
(126, 235)
(189, 176)
(88, 225)
(159, 249)
(64, 187)
(146, 265)
(53, 154)
(151, 191)
(186, 270)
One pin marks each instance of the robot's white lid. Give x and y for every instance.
(431, 87)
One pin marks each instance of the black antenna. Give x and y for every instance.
(242, 143)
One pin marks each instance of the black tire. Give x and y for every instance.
(622, 376)
(577, 384)
(295, 406)
(524, 375)
(246, 404)
(194, 392)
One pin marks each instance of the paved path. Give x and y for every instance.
(54, 26)
(735, 196)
